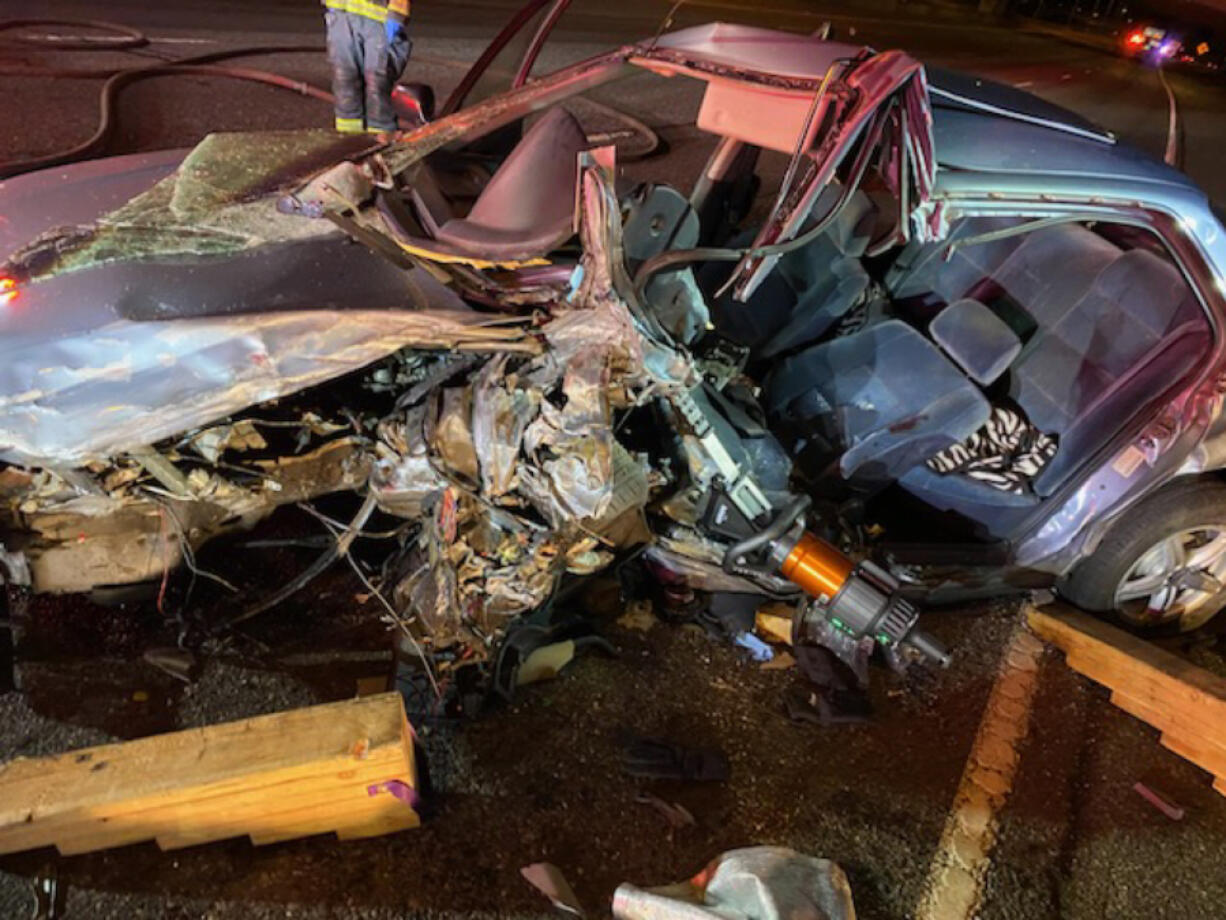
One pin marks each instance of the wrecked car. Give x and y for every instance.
(906, 338)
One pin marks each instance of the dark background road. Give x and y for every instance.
(37, 115)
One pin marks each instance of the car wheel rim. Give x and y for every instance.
(1180, 578)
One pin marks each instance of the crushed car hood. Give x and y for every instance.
(195, 299)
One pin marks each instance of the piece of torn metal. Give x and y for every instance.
(549, 881)
(756, 883)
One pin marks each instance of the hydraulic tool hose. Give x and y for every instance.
(128, 39)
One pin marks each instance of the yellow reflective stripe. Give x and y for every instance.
(350, 125)
(369, 9)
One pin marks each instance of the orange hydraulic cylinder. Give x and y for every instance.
(816, 567)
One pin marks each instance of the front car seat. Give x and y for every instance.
(885, 398)
(525, 210)
(809, 291)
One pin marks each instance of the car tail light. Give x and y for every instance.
(1136, 38)
(8, 291)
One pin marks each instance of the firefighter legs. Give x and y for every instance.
(346, 55)
(385, 62)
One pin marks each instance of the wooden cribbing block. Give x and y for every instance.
(1184, 702)
(774, 622)
(343, 767)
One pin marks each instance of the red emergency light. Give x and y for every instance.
(1136, 38)
(8, 291)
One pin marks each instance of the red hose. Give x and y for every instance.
(116, 80)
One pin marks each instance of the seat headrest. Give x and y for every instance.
(1145, 286)
(976, 339)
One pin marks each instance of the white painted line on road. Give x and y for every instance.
(1024, 84)
(959, 868)
(1171, 157)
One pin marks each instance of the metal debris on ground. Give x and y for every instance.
(756, 883)
(676, 814)
(177, 662)
(549, 881)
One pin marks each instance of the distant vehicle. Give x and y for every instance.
(1151, 42)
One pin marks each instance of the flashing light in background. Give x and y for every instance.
(1168, 48)
(1202, 49)
(8, 291)
(1136, 38)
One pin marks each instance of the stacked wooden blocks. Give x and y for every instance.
(343, 767)
(1184, 702)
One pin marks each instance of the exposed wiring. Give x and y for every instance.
(364, 534)
(339, 547)
(347, 534)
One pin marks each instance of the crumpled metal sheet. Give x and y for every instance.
(542, 431)
(108, 390)
(403, 476)
(754, 883)
(502, 411)
(242, 435)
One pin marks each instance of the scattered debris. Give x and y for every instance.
(549, 881)
(781, 662)
(758, 650)
(774, 622)
(545, 662)
(639, 616)
(833, 693)
(1172, 811)
(177, 662)
(534, 653)
(677, 815)
(756, 883)
(648, 758)
(48, 897)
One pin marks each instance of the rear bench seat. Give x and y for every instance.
(1110, 331)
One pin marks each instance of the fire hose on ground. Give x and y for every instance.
(14, 33)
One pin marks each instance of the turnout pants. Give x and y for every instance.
(365, 69)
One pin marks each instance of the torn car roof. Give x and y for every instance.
(767, 51)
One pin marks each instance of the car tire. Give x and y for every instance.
(1179, 509)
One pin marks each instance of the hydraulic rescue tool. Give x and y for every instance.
(858, 599)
